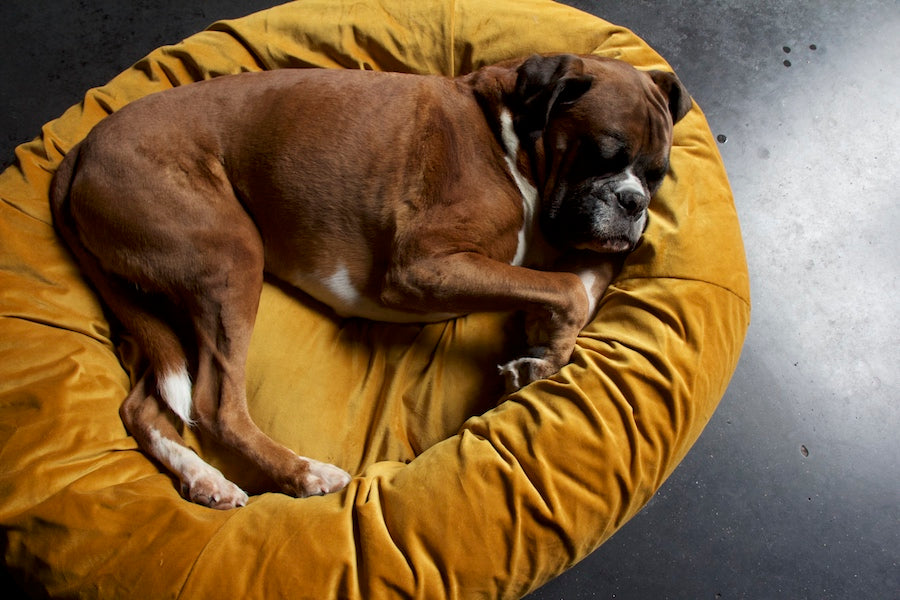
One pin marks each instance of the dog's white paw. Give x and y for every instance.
(522, 371)
(213, 490)
(201, 483)
(323, 478)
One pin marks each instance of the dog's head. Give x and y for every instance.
(599, 133)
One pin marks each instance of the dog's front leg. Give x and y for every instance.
(595, 271)
(556, 304)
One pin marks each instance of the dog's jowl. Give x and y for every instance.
(403, 198)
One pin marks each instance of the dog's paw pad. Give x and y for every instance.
(522, 371)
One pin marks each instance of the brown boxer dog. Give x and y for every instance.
(395, 197)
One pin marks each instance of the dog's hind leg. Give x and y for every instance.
(165, 383)
(188, 243)
(151, 426)
(223, 313)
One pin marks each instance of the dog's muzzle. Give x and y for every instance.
(604, 216)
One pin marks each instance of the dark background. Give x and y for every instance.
(793, 491)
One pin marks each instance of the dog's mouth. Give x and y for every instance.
(608, 246)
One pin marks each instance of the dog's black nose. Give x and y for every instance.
(632, 202)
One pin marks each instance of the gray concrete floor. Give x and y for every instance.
(793, 491)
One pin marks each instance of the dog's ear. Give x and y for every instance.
(546, 83)
(679, 99)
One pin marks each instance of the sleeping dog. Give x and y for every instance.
(394, 197)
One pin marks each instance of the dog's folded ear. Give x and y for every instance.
(546, 83)
(679, 99)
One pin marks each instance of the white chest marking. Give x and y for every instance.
(528, 191)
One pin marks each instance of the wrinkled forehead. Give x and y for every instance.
(624, 108)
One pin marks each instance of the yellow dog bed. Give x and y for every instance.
(445, 504)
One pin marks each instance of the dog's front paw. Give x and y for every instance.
(322, 478)
(522, 371)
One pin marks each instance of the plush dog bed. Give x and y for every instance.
(453, 497)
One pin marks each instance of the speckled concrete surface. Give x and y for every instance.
(793, 491)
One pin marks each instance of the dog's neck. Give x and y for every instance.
(524, 156)
(494, 89)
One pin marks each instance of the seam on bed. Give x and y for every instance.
(746, 301)
(42, 323)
